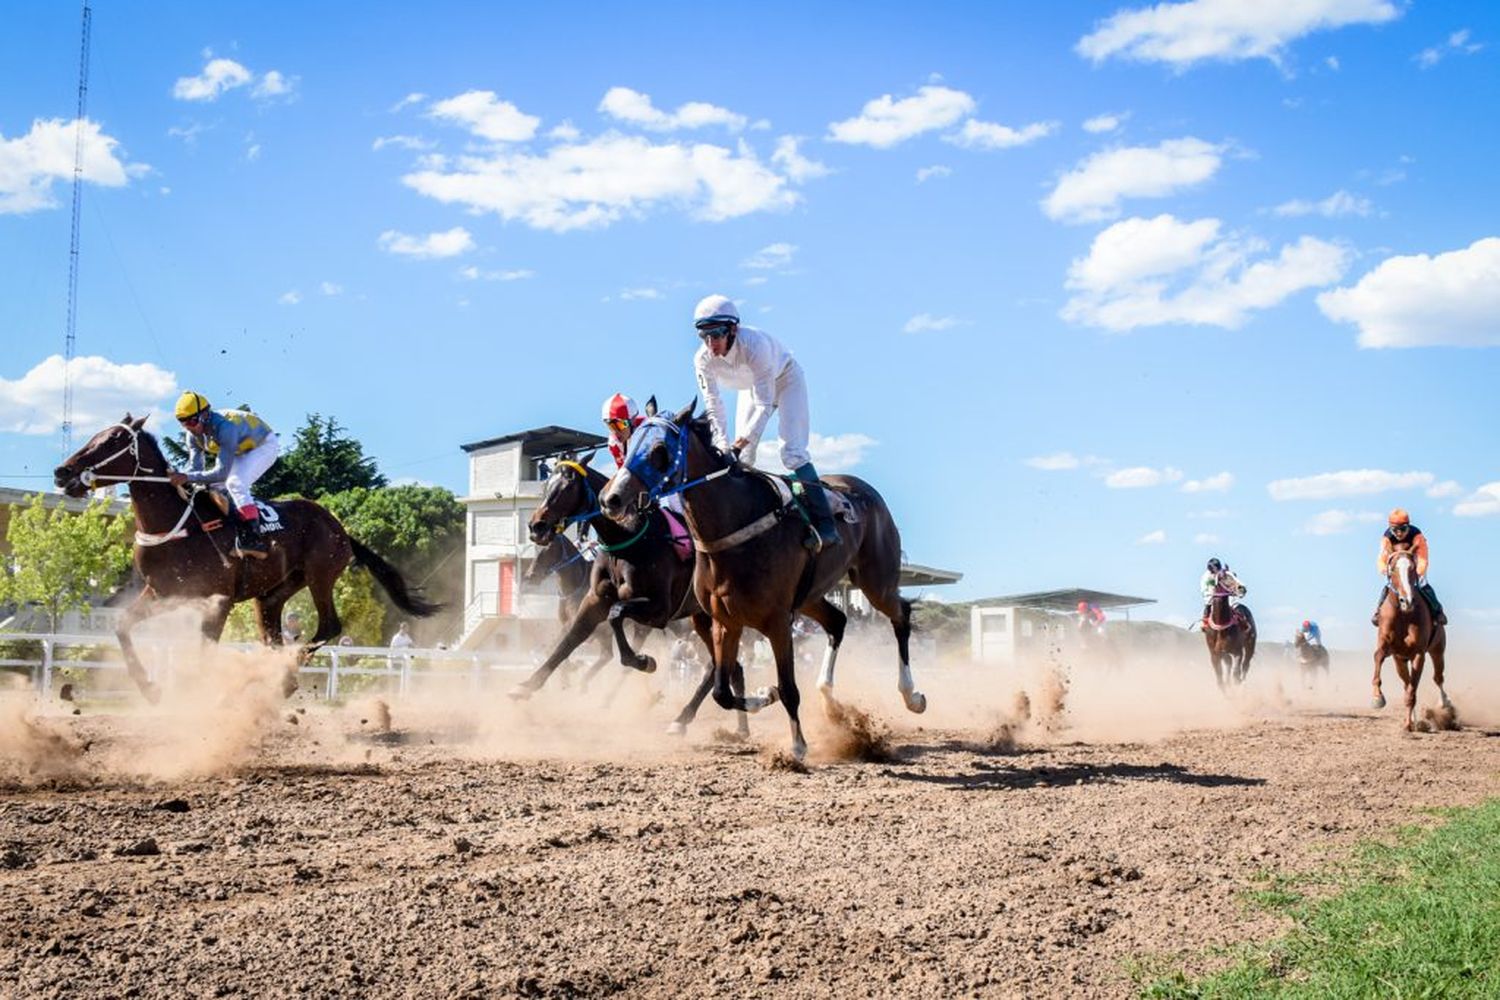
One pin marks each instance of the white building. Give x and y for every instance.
(505, 487)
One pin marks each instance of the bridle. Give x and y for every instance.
(591, 505)
(1220, 590)
(659, 483)
(88, 477)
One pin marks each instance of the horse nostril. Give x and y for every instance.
(611, 502)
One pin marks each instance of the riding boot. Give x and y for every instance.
(816, 502)
(248, 541)
(1432, 602)
(1375, 618)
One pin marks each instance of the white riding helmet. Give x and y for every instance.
(716, 309)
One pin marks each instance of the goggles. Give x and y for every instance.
(617, 424)
(1400, 530)
(715, 331)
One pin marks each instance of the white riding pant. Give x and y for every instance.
(245, 469)
(791, 417)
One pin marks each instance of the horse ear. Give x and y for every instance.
(138, 423)
(586, 460)
(651, 407)
(686, 413)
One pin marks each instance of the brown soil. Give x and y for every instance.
(535, 851)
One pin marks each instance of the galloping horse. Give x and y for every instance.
(637, 576)
(1230, 631)
(1311, 657)
(1407, 631)
(560, 557)
(752, 570)
(182, 541)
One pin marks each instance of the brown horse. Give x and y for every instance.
(559, 557)
(1312, 657)
(182, 544)
(752, 569)
(1406, 631)
(1229, 631)
(636, 576)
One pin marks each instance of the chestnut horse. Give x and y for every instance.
(1407, 631)
(752, 570)
(1229, 631)
(182, 544)
(636, 576)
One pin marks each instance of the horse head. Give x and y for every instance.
(566, 495)
(112, 455)
(657, 461)
(1401, 573)
(1228, 584)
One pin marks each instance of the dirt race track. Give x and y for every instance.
(557, 849)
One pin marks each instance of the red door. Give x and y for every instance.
(507, 588)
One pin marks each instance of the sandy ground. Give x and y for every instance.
(461, 845)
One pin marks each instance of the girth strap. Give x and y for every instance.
(759, 526)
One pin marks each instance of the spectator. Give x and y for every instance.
(291, 631)
(401, 641)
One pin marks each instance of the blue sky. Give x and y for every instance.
(1090, 292)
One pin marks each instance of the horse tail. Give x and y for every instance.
(393, 582)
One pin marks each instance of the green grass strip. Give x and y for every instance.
(1417, 918)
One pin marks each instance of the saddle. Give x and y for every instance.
(270, 517)
(790, 492)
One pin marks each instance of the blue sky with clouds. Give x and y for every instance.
(1089, 291)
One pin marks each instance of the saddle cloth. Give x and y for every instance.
(839, 503)
(682, 539)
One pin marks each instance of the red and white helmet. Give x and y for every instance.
(621, 407)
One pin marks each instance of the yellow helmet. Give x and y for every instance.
(189, 405)
(1400, 516)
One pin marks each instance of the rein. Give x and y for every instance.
(88, 477)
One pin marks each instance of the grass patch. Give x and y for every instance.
(1419, 917)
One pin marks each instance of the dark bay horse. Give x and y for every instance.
(637, 576)
(1407, 631)
(752, 569)
(182, 543)
(1312, 657)
(560, 558)
(1229, 631)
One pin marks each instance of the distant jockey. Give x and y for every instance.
(771, 381)
(244, 447)
(1310, 633)
(1400, 533)
(621, 417)
(1090, 615)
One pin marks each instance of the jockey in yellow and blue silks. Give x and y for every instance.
(244, 447)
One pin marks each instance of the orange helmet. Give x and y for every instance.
(1083, 607)
(1400, 516)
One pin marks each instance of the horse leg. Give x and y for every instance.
(703, 625)
(786, 676)
(1438, 652)
(827, 614)
(726, 651)
(143, 607)
(628, 656)
(268, 607)
(215, 616)
(1377, 697)
(589, 616)
(1417, 664)
(890, 603)
(605, 650)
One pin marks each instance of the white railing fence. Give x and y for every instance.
(59, 651)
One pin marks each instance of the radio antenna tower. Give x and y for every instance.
(72, 336)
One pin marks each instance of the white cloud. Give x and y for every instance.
(290, 298)
(1458, 42)
(1338, 204)
(1445, 489)
(450, 243)
(329, 288)
(885, 122)
(626, 105)
(30, 163)
(1104, 123)
(218, 77)
(252, 152)
(630, 294)
(1181, 34)
(798, 168)
(408, 101)
(1056, 462)
(102, 391)
(830, 453)
(1092, 191)
(1205, 538)
(1483, 502)
(1450, 299)
(1157, 537)
(564, 131)
(485, 115)
(472, 273)
(596, 183)
(926, 323)
(1139, 476)
(1347, 483)
(1148, 272)
(928, 173)
(1216, 514)
(1213, 484)
(976, 134)
(1337, 522)
(414, 142)
(773, 257)
(274, 84)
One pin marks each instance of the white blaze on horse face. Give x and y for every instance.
(1403, 580)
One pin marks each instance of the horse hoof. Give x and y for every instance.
(676, 729)
(647, 665)
(519, 693)
(1378, 701)
(916, 703)
(151, 692)
(799, 751)
(1446, 703)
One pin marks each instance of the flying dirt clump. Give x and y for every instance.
(31, 752)
(1441, 719)
(857, 735)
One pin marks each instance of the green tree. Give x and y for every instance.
(60, 559)
(323, 459)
